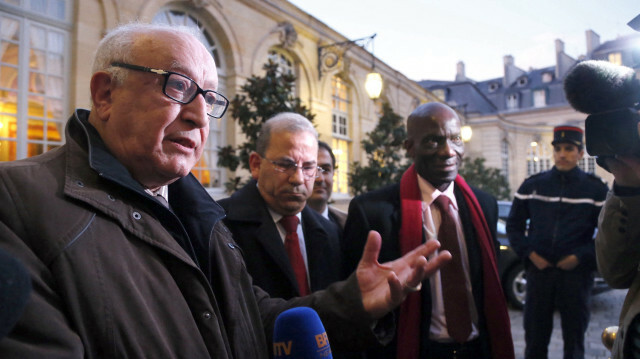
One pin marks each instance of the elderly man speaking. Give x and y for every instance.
(126, 251)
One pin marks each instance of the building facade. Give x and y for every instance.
(512, 117)
(45, 68)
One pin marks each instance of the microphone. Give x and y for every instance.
(597, 86)
(299, 334)
(15, 287)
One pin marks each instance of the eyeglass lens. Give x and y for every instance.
(184, 90)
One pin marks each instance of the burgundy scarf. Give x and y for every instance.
(495, 306)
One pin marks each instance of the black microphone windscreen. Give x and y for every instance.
(597, 86)
(299, 334)
(15, 287)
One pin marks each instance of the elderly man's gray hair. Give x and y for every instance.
(284, 121)
(117, 46)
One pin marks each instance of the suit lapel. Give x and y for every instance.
(316, 242)
(254, 210)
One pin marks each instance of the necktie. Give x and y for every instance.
(454, 289)
(292, 246)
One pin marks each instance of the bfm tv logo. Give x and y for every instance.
(322, 342)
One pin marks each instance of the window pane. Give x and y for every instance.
(36, 82)
(37, 37)
(9, 53)
(55, 85)
(8, 102)
(55, 64)
(7, 150)
(39, 6)
(37, 60)
(57, 9)
(56, 42)
(36, 106)
(55, 109)
(36, 129)
(9, 28)
(8, 77)
(341, 151)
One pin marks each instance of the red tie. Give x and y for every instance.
(454, 289)
(292, 246)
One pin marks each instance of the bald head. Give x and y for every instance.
(434, 143)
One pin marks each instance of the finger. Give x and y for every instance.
(426, 249)
(424, 268)
(371, 248)
(396, 288)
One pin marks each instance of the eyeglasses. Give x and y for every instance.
(290, 167)
(183, 89)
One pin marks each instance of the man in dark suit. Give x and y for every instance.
(406, 214)
(284, 168)
(323, 187)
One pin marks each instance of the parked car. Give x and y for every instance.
(511, 268)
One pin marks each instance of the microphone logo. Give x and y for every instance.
(283, 349)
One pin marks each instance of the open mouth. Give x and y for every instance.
(184, 142)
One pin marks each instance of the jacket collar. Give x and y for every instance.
(572, 174)
(188, 189)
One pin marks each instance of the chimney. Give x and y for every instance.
(559, 53)
(460, 73)
(593, 41)
(508, 64)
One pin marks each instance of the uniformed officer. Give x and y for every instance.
(561, 207)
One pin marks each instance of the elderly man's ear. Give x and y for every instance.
(101, 90)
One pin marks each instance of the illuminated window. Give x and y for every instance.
(539, 98)
(341, 178)
(587, 164)
(33, 78)
(206, 170)
(504, 156)
(340, 129)
(615, 58)
(539, 158)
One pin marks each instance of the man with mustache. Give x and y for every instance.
(551, 225)
(461, 312)
(284, 168)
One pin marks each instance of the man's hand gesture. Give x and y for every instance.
(385, 286)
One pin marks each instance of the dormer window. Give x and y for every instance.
(547, 77)
(512, 101)
(493, 87)
(522, 81)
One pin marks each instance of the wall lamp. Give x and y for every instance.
(330, 56)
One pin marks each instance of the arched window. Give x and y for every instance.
(340, 129)
(206, 170)
(286, 65)
(34, 66)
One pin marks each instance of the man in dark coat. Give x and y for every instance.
(126, 251)
(254, 212)
(551, 226)
(406, 214)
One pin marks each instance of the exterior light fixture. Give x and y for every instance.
(466, 133)
(330, 56)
